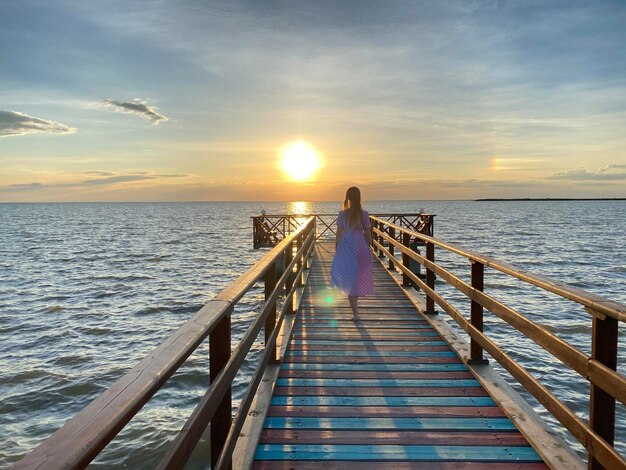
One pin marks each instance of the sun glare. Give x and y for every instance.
(300, 160)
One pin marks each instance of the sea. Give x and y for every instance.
(88, 289)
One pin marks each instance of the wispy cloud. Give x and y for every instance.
(99, 173)
(107, 179)
(606, 173)
(13, 123)
(612, 167)
(116, 179)
(22, 187)
(138, 107)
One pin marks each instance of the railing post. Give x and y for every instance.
(374, 236)
(270, 321)
(306, 259)
(478, 283)
(219, 353)
(289, 281)
(601, 404)
(299, 241)
(430, 277)
(255, 233)
(406, 241)
(392, 234)
(381, 240)
(376, 226)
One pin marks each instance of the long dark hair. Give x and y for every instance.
(352, 204)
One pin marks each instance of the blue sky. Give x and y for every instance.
(191, 100)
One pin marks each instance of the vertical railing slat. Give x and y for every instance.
(406, 260)
(430, 277)
(290, 278)
(478, 276)
(299, 240)
(270, 323)
(219, 353)
(601, 404)
(392, 234)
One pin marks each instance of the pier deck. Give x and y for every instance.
(387, 392)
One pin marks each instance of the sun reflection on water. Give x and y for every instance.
(300, 207)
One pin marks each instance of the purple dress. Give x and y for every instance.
(351, 270)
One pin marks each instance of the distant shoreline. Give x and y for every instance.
(556, 199)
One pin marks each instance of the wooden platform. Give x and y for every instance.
(387, 392)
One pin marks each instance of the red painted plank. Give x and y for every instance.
(383, 391)
(354, 329)
(361, 329)
(318, 436)
(387, 412)
(366, 335)
(348, 323)
(378, 374)
(361, 347)
(364, 316)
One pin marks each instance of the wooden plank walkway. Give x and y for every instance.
(387, 392)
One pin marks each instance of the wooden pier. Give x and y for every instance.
(399, 389)
(385, 392)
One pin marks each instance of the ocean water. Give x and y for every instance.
(87, 290)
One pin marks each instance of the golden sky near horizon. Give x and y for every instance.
(113, 101)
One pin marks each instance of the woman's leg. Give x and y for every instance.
(353, 304)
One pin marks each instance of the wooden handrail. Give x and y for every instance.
(599, 368)
(81, 439)
(268, 229)
(197, 422)
(590, 300)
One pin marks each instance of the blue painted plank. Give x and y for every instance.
(374, 367)
(395, 453)
(297, 382)
(354, 342)
(415, 354)
(452, 424)
(380, 401)
(373, 324)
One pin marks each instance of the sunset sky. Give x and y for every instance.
(195, 100)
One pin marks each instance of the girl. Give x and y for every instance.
(351, 270)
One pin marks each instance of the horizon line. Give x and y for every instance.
(539, 199)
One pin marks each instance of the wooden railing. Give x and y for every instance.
(268, 230)
(80, 440)
(606, 385)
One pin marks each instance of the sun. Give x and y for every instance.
(300, 160)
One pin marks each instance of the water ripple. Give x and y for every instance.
(88, 290)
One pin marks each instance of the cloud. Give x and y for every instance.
(117, 179)
(107, 179)
(99, 173)
(603, 174)
(612, 167)
(14, 123)
(22, 187)
(138, 107)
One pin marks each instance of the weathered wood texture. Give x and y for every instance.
(79, 441)
(363, 394)
(606, 384)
